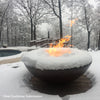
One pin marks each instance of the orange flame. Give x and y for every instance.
(73, 22)
(56, 50)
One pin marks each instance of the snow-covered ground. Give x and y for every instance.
(13, 85)
(94, 92)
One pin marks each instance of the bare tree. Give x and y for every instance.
(86, 18)
(3, 13)
(98, 24)
(55, 6)
(33, 10)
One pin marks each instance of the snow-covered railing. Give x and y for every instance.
(42, 42)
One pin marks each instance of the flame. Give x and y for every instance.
(73, 22)
(56, 50)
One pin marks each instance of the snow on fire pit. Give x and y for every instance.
(67, 65)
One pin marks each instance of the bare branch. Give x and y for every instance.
(53, 8)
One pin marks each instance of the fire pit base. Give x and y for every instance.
(58, 76)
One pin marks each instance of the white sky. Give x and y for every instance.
(92, 2)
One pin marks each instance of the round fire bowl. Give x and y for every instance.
(62, 69)
(58, 76)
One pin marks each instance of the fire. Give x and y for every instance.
(73, 22)
(56, 50)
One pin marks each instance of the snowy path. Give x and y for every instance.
(13, 86)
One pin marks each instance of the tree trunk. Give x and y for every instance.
(31, 28)
(72, 25)
(34, 32)
(48, 35)
(0, 39)
(60, 19)
(88, 44)
(7, 36)
(99, 42)
(87, 27)
(15, 41)
(15, 37)
(7, 32)
(1, 43)
(0, 35)
(1, 30)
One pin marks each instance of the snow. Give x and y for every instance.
(21, 48)
(40, 59)
(11, 57)
(13, 85)
(94, 92)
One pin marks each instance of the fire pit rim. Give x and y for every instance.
(31, 61)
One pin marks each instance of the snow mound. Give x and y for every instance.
(40, 59)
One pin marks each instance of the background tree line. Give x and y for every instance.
(24, 20)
